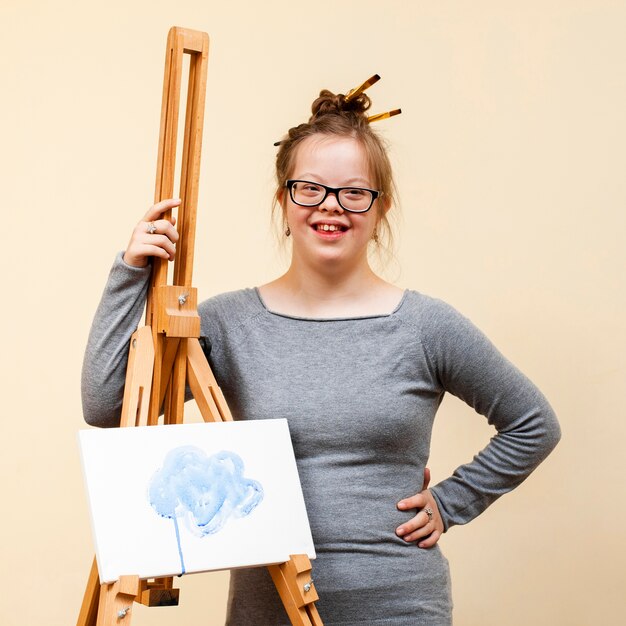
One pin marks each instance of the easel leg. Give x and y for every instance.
(89, 609)
(138, 379)
(295, 587)
(175, 406)
(116, 601)
(204, 387)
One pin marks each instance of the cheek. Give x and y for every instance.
(367, 223)
(290, 215)
(295, 216)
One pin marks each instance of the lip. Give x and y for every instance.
(329, 235)
(343, 226)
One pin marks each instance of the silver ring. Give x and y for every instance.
(151, 228)
(429, 512)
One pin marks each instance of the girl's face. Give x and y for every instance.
(328, 234)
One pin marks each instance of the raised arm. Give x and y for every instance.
(118, 315)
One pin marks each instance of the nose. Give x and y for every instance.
(331, 204)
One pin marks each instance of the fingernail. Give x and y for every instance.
(400, 530)
(401, 505)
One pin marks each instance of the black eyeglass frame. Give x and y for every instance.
(335, 191)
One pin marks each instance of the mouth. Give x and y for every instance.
(329, 228)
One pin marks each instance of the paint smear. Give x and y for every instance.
(204, 491)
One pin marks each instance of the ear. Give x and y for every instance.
(384, 204)
(280, 197)
(281, 200)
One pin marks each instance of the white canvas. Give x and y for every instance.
(167, 500)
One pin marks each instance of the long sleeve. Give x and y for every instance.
(467, 365)
(106, 356)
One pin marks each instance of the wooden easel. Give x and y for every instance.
(165, 354)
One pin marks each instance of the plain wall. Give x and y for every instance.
(510, 160)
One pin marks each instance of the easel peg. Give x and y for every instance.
(171, 318)
(307, 586)
(121, 614)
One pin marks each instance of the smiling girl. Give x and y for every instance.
(358, 367)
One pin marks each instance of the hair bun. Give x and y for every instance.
(329, 103)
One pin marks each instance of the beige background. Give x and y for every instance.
(510, 158)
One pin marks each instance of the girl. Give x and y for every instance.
(358, 367)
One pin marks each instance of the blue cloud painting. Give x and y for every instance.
(206, 491)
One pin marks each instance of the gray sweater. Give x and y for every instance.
(360, 396)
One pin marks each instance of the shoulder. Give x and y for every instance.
(442, 329)
(236, 306)
(429, 313)
(231, 310)
(242, 301)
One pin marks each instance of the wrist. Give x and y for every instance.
(132, 261)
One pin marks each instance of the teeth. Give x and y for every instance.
(328, 227)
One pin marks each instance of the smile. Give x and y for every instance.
(329, 228)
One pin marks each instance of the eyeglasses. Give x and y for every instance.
(352, 199)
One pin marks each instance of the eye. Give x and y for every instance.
(355, 193)
(310, 189)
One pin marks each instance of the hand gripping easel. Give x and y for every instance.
(165, 354)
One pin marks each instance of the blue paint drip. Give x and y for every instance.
(206, 491)
(180, 550)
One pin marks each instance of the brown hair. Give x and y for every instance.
(333, 114)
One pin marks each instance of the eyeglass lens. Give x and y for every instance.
(350, 198)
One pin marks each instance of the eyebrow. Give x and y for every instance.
(351, 182)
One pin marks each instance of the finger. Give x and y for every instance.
(418, 501)
(426, 478)
(413, 526)
(431, 540)
(141, 253)
(161, 227)
(148, 250)
(161, 241)
(146, 244)
(156, 210)
(426, 527)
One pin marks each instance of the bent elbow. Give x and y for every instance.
(551, 431)
(97, 412)
(99, 418)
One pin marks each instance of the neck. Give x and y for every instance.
(330, 291)
(331, 285)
